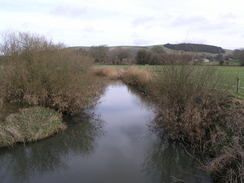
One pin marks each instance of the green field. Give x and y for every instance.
(229, 74)
(233, 73)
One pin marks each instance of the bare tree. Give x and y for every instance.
(18, 43)
(120, 56)
(99, 53)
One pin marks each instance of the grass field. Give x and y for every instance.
(233, 73)
(230, 74)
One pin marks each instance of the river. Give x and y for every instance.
(114, 142)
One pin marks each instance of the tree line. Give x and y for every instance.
(156, 55)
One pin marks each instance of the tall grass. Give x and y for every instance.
(193, 110)
(131, 75)
(139, 78)
(111, 73)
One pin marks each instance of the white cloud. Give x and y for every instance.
(66, 10)
(125, 22)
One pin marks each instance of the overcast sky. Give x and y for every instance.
(128, 22)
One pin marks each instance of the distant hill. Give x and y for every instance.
(199, 49)
(196, 48)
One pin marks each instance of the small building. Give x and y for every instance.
(205, 60)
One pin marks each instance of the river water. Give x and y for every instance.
(111, 143)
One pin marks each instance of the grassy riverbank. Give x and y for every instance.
(29, 125)
(197, 110)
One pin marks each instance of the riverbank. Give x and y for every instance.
(230, 74)
(195, 110)
(45, 76)
(30, 125)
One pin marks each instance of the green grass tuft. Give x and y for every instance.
(30, 124)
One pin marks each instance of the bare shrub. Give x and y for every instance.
(99, 53)
(228, 166)
(42, 73)
(194, 111)
(143, 57)
(180, 58)
(159, 57)
(201, 116)
(22, 42)
(120, 56)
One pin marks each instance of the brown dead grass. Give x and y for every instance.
(131, 75)
(229, 166)
(137, 77)
(193, 111)
(109, 72)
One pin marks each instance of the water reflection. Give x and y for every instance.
(22, 163)
(169, 163)
(119, 147)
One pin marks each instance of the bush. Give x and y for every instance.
(41, 73)
(158, 49)
(199, 115)
(99, 53)
(143, 57)
(241, 58)
(220, 59)
(159, 57)
(193, 111)
(120, 56)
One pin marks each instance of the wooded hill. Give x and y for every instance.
(196, 48)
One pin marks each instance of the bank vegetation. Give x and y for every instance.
(36, 72)
(196, 110)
